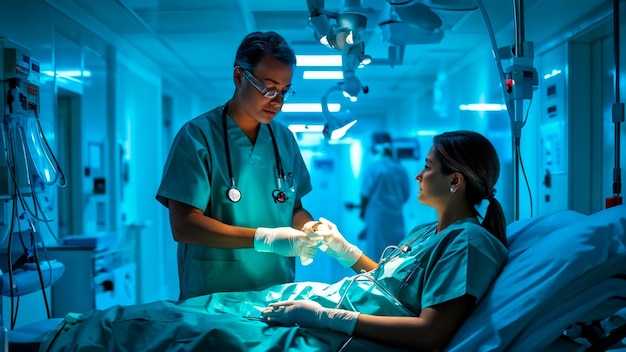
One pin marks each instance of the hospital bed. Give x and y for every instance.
(566, 272)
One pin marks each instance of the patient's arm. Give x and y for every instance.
(364, 264)
(432, 330)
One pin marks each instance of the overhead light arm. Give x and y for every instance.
(336, 125)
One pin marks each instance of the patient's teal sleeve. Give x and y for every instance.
(463, 259)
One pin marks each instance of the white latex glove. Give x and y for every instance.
(309, 230)
(310, 314)
(346, 253)
(285, 241)
(316, 231)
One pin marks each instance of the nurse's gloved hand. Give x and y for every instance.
(316, 231)
(346, 253)
(310, 314)
(285, 241)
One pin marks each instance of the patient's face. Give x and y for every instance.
(433, 184)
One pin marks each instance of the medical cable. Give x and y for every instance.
(59, 170)
(28, 214)
(397, 250)
(368, 277)
(9, 153)
(41, 282)
(233, 193)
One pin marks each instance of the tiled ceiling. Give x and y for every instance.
(196, 39)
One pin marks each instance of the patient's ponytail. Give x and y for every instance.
(472, 155)
(494, 220)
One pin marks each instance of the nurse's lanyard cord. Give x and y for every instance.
(233, 193)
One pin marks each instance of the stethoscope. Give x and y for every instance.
(391, 252)
(233, 193)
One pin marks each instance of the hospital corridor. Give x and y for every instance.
(176, 174)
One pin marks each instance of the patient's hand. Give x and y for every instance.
(310, 314)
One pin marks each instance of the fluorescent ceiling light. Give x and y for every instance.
(69, 73)
(322, 75)
(426, 133)
(305, 128)
(319, 60)
(309, 107)
(482, 107)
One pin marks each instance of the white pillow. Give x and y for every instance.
(553, 259)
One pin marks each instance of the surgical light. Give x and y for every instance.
(365, 60)
(337, 127)
(351, 87)
(352, 99)
(343, 33)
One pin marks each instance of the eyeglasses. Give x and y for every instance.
(268, 93)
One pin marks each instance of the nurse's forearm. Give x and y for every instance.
(190, 225)
(300, 217)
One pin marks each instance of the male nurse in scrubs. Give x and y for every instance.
(234, 179)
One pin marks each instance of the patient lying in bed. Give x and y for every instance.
(562, 269)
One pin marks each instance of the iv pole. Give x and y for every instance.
(520, 81)
(517, 82)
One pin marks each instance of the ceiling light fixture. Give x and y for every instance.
(309, 107)
(319, 60)
(322, 75)
(482, 107)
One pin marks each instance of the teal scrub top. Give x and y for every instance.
(196, 173)
(462, 259)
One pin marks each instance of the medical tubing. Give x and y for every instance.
(41, 283)
(9, 153)
(37, 137)
(530, 195)
(496, 55)
(56, 162)
(367, 276)
(382, 257)
(9, 262)
(38, 157)
(10, 158)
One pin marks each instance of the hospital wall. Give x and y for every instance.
(109, 130)
(116, 127)
(574, 145)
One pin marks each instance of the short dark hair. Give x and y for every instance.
(256, 45)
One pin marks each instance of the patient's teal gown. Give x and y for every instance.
(430, 269)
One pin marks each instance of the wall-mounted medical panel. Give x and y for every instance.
(552, 131)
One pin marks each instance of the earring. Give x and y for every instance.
(452, 189)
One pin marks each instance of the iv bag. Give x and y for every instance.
(38, 153)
